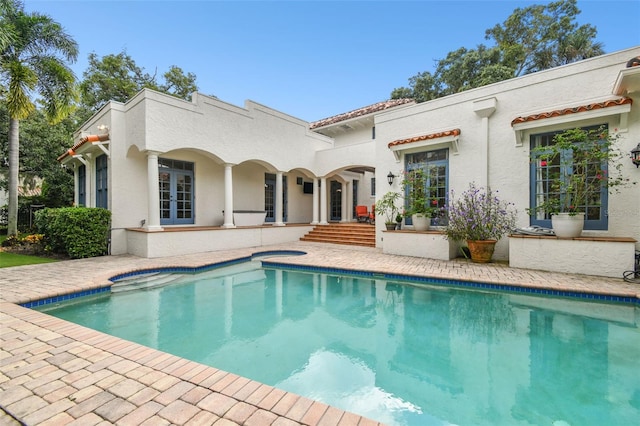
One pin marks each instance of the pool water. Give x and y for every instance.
(396, 353)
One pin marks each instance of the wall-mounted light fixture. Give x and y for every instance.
(390, 178)
(635, 155)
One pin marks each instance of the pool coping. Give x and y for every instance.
(99, 377)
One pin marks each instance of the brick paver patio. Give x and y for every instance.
(56, 373)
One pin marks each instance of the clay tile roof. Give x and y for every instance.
(82, 141)
(380, 106)
(566, 111)
(453, 132)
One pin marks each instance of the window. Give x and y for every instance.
(373, 187)
(101, 182)
(82, 185)
(435, 165)
(545, 173)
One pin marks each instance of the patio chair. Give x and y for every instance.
(362, 215)
(372, 214)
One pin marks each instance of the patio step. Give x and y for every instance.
(357, 234)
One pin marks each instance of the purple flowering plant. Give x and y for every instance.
(478, 214)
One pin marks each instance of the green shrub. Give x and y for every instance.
(77, 232)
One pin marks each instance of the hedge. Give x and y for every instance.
(77, 232)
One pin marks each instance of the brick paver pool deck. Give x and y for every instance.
(53, 372)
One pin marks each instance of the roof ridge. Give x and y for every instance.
(359, 112)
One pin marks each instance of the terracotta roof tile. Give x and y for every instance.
(82, 141)
(566, 111)
(380, 106)
(453, 132)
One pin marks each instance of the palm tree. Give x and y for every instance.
(34, 51)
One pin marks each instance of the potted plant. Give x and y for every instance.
(480, 218)
(420, 206)
(386, 206)
(398, 221)
(573, 168)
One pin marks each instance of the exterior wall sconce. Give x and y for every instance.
(391, 177)
(635, 155)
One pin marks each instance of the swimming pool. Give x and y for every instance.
(397, 353)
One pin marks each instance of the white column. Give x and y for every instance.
(279, 201)
(343, 202)
(316, 194)
(228, 196)
(76, 186)
(323, 201)
(153, 187)
(90, 181)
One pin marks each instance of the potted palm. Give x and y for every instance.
(480, 218)
(420, 206)
(387, 207)
(574, 168)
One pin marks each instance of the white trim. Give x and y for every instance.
(81, 159)
(101, 145)
(451, 141)
(623, 110)
(627, 82)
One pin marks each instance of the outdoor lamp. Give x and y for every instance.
(635, 155)
(391, 176)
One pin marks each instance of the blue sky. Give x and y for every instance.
(309, 59)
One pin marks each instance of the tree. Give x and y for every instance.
(543, 36)
(531, 39)
(118, 78)
(466, 69)
(40, 145)
(33, 60)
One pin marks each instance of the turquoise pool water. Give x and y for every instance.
(400, 354)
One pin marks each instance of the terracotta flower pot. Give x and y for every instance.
(481, 250)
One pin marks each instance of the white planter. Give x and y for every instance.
(420, 222)
(566, 225)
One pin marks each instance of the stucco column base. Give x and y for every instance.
(279, 224)
(153, 228)
(228, 225)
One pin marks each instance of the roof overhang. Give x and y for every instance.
(84, 145)
(444, 138)
(628, 82)
(609, 108)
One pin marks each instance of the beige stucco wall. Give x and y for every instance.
(210, 133)
(259, 140)
(501, 163)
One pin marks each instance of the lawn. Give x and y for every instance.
(13, 259)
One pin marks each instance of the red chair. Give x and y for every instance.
(362, 215)
(372, 214)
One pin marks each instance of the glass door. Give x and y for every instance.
(335, 202)
(269, 197)
(176, 194)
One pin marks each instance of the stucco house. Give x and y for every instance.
(173, 172)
